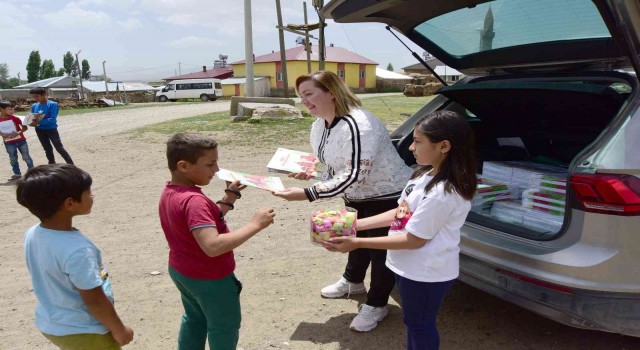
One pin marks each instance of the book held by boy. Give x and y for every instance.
(8, 127)
(291, 161)
(269, 183)
(29, 118)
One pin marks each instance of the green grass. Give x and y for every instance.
(392, 110)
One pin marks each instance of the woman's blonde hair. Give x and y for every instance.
(327, 81)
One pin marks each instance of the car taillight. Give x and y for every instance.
(607, 193)
(543, 284)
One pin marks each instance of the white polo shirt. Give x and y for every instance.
(436, 216)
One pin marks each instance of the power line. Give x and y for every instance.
(348, 38)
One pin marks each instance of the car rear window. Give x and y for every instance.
(508, 23)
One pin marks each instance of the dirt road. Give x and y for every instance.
(281, 271)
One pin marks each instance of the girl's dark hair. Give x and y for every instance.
(188, 147)
(44, 189)
(458, 169)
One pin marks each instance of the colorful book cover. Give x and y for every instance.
(291, 161)
(269, 183)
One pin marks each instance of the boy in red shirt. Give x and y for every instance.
(11, 130)
(201, 261)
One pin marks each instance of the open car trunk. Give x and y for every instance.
(528, 133)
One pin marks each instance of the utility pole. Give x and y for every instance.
(81, 94)
(124, 92)
(283, 55)
(180, 68)
(19, 83)
(248, 48)
(104, 77)
(307, 43)
(318, 5)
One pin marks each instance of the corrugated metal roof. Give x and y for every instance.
(218, 73)
(332, 54)
(385, 74)
(239, 80)
(98, 86)
(444, 70)
(63, 81)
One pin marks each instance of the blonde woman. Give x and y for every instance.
(363, 167)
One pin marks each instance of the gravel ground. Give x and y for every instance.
(282, 272)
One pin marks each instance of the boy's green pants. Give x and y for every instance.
(85, 341)
(211, 308)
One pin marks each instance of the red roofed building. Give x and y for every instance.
(217, 73)
(358, 72)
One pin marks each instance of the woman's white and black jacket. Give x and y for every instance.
(360, 161)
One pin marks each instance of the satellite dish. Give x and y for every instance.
(300, 40)
(223, 57)
(426, 55)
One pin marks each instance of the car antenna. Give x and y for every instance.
(418, 58)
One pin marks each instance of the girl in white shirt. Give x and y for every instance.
(425, 228)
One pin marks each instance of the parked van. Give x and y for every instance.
(204, 89)
(553, 96)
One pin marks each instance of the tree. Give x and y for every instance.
(68, 62)
(74, 69)
(12, 82)
(5, 81)
(48, 69)
(4, 75)
(86, 72)
(61, 72)
(390, 67)
(33, 66)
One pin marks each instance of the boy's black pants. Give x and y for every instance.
(48, 137)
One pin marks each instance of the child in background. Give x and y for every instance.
(47, 125)
(201, 261)
(75, 303)
(14, 141)
(423, 240)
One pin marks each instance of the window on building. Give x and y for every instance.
(340, 73)
(279, 76)
(362, 74)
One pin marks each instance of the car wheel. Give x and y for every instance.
(163, 98)
(204, 98)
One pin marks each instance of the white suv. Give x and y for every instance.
(552, 94)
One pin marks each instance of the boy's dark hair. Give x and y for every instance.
(458, 170)
(188, 147)
(38, 91)
(5, 104)
(44, 188)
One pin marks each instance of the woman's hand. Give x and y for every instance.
(291, 194)
(301, 176)
(342, 244)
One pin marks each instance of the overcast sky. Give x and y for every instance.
(145, 40)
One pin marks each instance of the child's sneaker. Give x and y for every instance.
(15, 177)
(368, 318)
(341, 288)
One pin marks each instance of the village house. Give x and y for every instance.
(358, 72)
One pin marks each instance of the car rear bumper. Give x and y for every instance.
(604, 311)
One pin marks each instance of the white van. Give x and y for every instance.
(204, 89)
